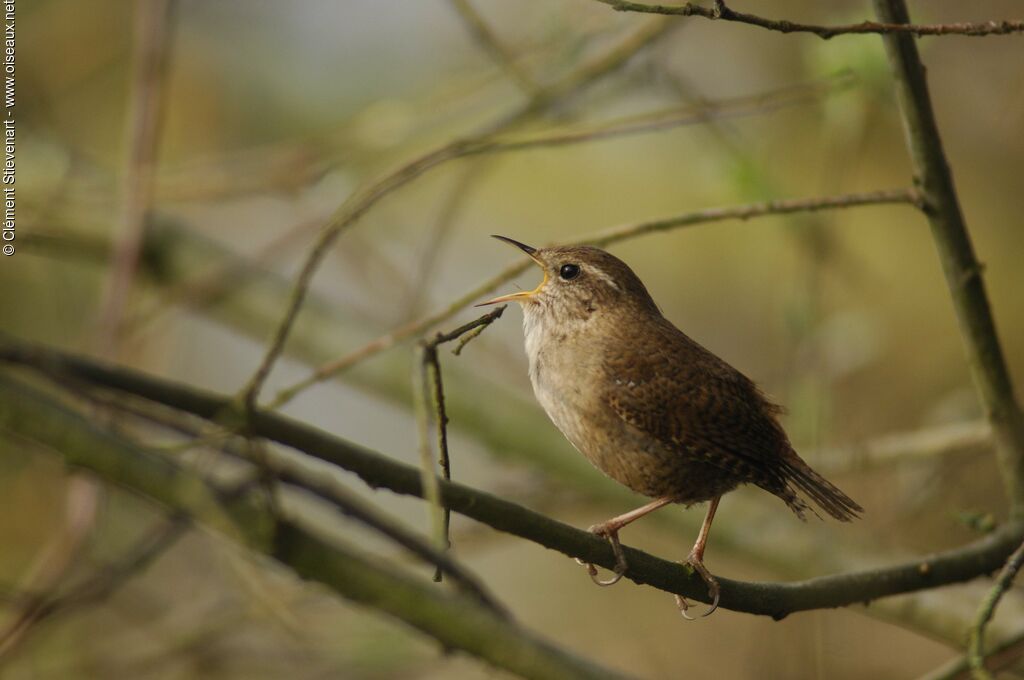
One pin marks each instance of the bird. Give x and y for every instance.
(649, 406)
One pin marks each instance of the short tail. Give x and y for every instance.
(824, 493)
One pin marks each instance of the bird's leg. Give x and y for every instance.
(696, 561)
(610, 530)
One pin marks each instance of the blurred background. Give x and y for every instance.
(273, 113)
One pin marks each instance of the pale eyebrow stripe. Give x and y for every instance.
(599, 273)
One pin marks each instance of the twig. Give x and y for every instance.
(361, 201)
(976, 640)
(488, 40)
(956, 253)
(152, 48)
(470, 178)
(604, 238)
(422, 397)
(723, 13)
(429, 369)
(773, 599)
(1006, 652)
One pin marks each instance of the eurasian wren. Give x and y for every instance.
(647, 405)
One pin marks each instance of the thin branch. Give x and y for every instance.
(489, 41)
(719, 12)
(428, 378)
(422, 397)
(471, 177)
(956, 253)
(453, 619)
(294, 474)
(982, 556)
(1006, 652)
(149, 83)
(976, 641)
(361, 201)
(603, 238)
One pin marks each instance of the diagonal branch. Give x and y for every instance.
(719, 12)
(976, 641)
(956, 253)
(603, 238)
(772, 599)
(453, 619)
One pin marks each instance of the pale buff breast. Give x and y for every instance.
(563, 372)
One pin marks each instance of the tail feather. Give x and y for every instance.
(823, 492)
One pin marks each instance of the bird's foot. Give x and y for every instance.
(610, 532)
(694, 562)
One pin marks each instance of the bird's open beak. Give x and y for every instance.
(521, 295)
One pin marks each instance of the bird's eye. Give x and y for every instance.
(569, 271)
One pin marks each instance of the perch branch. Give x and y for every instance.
(961, 267)
(977, 558)
(719, 12)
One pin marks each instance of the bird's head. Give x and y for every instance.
(578, 281)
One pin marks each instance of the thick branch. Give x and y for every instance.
(776, 600)
(956, 252)
(455, 620)
(893, 27)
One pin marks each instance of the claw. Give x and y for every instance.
(714, 591)
(620, 558)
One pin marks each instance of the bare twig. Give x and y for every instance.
(719, 12)
(956, 253)
(474, 171)
(422, 397)
(152, 49)
(773, 599)
(429, 369)
(976, 641)
(604, 238)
